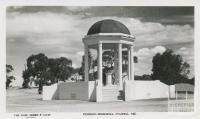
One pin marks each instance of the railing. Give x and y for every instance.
(181, 105)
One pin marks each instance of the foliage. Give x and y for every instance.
(46, 71)
(186, 80)
(191, 81)
(108, 63)
(36, 68)
(60, 69)
(169, 68)
(26, 76)
(9, 77)
(145, 77)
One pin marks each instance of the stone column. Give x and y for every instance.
(129, 63)
(132, 62)
(86, 70)
(116, 67)
(100, 63)
(120, 65)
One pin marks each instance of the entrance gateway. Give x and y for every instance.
(108, 35)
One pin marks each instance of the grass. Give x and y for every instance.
(27, 100)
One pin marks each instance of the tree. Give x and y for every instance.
(169, 68)
(46, 71)
(26, 76)
(9, 77)
(36, 68)
(64, 68)
(144, 77)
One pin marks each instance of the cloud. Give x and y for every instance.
(145, 56)
(60, 26)
(158, 49)
(77, 8)
(187, 53)
(149, 52)
(80, 53)
(183, 51)
(151, 33)
(50, 33)
(40, 23)
(45, 29)
(61, 35)
(77, 57)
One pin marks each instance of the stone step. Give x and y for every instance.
(110, 90)
(111, 87)
(109, 99)
(112, 93)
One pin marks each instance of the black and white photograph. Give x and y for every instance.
(100, 59)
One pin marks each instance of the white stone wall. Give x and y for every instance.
(50, 92)
(92, 90)
(77, 91)
(73, 91)
(70, 91)
(135, 90)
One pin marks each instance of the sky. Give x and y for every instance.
(58, 31)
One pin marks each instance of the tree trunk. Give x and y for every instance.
(40, 86)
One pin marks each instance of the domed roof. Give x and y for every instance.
(108, 26)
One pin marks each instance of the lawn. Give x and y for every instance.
(27, 100)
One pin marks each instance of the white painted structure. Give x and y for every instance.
(135, 90)
(184, 98)
(103, 36)
(184, 90)
(50, 92)
(87, 91)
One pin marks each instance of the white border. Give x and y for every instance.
(165, 115)
(99, 2)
